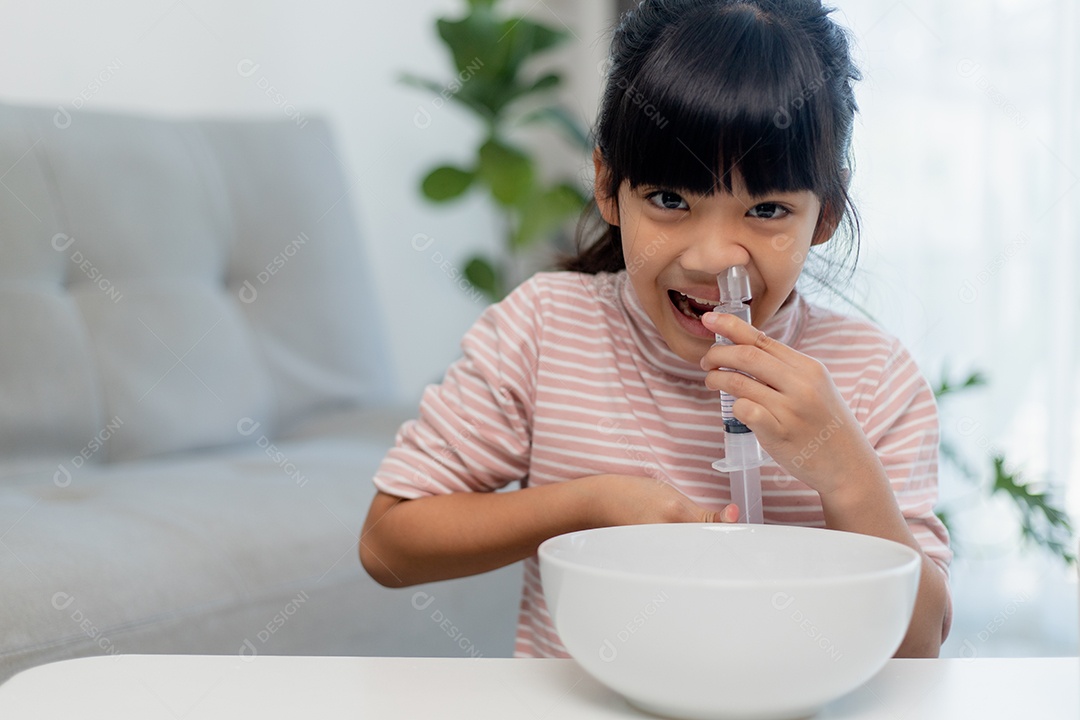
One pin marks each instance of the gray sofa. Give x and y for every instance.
(194, 393)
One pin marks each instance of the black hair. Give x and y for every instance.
(697, 88)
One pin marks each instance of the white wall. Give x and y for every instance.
(338, 59)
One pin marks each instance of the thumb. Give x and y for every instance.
(727, 514)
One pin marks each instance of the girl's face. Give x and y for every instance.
(676, 243)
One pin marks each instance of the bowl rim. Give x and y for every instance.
(544, 555)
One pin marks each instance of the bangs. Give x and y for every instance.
(726, 89)
(700, 93)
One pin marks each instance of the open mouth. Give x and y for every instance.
(690, 306)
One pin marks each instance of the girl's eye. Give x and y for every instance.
(768, 211)
(667, 200)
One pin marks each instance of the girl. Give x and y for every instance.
(722, 140)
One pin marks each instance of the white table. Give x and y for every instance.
(192, 687)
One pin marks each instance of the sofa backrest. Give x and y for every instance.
(167, 284)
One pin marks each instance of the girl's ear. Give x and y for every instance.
(830, 216)
(608, 205)
(828, 220)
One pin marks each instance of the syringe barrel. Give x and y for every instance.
(742, 311)
(746, 493)
(742, 451)
(734, 287)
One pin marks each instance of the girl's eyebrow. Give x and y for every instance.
(791, 195)
(662, 186)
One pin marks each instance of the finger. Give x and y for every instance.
(753, 399)
(741, 332)
(742, 378)
(727, 514)
(748, 359)
(755, 353)
(758, 418)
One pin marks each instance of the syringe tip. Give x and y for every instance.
(734, 284)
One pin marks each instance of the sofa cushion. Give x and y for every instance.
(51, 397)
(244, 549)
(163, 279)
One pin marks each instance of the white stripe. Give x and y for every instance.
(627, 447)
(543, 404)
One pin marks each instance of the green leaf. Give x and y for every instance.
(473, 40)
(416, 81)
(519, 41)
(484, 277)
(945, 518)
(533, 37)
(446, 183)
(945, 387)
(975, 379)
(562, 119)
(446, 91)
(489, 54)
(545, 211)
(542, 84)
(1041, 522)
(507, 171)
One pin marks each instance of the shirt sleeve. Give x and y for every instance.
(473, 432)
(902, 425)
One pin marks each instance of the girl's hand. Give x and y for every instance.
(635, 500)
(791, 405)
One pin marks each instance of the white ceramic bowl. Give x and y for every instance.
(709, 621)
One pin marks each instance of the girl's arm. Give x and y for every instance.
(474, 435)
(869, 507)
(406, 542)
(801, 420)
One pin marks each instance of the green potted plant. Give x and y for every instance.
(1043, 523)
(491, 55)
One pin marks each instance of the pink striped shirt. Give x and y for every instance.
(568, 377)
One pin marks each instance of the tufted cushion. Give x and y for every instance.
(166, 282)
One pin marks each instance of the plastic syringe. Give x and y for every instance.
(742, 453)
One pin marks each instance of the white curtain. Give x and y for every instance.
(968, 180)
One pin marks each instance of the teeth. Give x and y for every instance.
(700, 301)
(684, 306)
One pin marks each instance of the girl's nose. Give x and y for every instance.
(713, 250)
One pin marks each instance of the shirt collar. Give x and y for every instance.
(786, 326)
